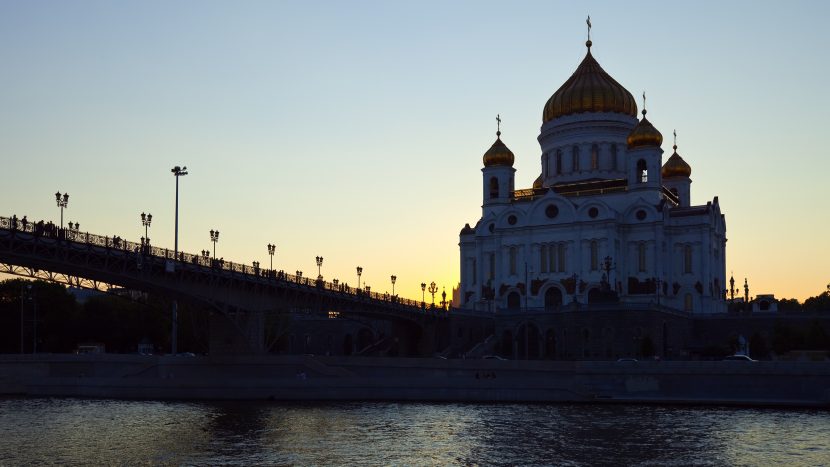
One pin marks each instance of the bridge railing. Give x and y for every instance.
(50, 230)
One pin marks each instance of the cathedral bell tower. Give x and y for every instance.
(498, 174)
(644, 157)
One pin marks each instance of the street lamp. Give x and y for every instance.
(443, 298)
(319, 265)
(608, 265)
(63, 201)
(146, 219)
(423, 288)
(271, 250)
(214, 237)
(657, 284)
(432, 289)
(576, 286)
(394, 278)
(177, 172)
(359, 272)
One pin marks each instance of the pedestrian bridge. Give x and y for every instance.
(46, 251)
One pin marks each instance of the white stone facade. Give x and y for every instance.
(602, 217)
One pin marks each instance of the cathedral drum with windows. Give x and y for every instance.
(605, 225)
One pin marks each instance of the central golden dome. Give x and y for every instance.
(589, 89)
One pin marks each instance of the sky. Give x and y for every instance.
(355, 130)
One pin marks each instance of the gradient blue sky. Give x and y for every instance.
(355, 130)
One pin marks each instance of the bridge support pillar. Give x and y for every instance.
(237, 333)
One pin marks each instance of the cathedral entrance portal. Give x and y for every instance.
(514, 302)
(553, 299)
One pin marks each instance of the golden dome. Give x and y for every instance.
(589, 89)
(538, 182)
(498, 154)
(644, 134)
(676, 166)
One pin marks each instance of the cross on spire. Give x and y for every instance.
(588, 22)
(498, 125)
(644, 103)
(675, 140)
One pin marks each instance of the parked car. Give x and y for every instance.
(493, 357)
(634, 360)
(739, 358)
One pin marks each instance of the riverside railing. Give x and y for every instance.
(144, 249)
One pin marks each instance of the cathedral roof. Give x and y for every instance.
(538, 182)
(498, 154)
(589, 89)
(676, 166)
(644, 134)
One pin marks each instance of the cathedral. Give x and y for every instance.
(606, 225)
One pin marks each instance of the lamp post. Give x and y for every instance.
(443, 298)
(608, 265)
(177, 172)
(63, 201)
(423, 289)
(576, 286)
(732, 288)
(657, 284)
(271, 250)
(359, 272)
(146, 219)
(394, 278)
(214, 237)
(319, 265)
(432, 289)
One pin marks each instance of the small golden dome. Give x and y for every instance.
(676, 166)
(538, 182)
(498, 154)
(644, 134)
(589, 89)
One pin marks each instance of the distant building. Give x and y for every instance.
(606, 221)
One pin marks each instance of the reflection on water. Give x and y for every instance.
(73, 431)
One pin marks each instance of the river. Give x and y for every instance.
(80, 431)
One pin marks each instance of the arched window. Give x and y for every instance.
(512, 260)
(543, 258)
(614, 157)
(687, 302)
(641, 257)
(494, 188)
(594, 157)
(575, 152)
(642, 171)
(552, 257)
(561, 257)
(594, 255)
(687, 259)
(558, 162)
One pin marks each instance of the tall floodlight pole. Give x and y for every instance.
(319, 260)
(177, 172)
(63, 202)
(394, 279)
(359, 272)
(423, 289)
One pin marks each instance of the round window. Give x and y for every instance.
(511, 220)
(551, 211)
(593, 212)
(641, 215)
